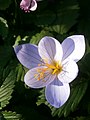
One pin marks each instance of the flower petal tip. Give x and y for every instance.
(73, 47)
(57, 94)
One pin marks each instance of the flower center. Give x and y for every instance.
(54, 68)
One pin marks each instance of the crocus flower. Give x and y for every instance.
(52, 65)
(28, 5)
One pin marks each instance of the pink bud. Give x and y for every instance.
(28, 5)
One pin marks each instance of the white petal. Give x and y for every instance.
(69, 72)
(34, 80)
(50, 49)
(73, 47)
(57, 94)
(33, 5)
(28, 55)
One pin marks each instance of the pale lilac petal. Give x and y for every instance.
(73, 47)
(28, 55)
(69, 72)
(57, 93)
(68, 47)
(50, 49)
(33, 5)
(31, 77)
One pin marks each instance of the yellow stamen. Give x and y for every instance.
(54, 68)
(50, 66)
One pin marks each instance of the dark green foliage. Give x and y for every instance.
(57, 18)
(3, 27)
(4, 4)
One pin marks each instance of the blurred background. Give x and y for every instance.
(57, 18)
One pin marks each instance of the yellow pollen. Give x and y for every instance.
(40, 73)
(54, 68)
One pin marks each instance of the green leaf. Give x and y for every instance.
(1, 117)
(36, 38)
(66, 17)
(18, 39)
(82, 118)
(6, 89)
(80, 93)
(41, 98)
(20, 72)
(4, 4)
(62, 20)
(11, 115)
(3, 27)
(33, 39)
